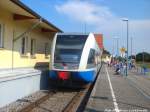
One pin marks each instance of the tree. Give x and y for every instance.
(120, 58)
(143, 55)
(106, 52)
(132, 57)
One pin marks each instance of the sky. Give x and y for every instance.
(101, 16)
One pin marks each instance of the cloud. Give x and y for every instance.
(104, 20)
(139, 31)
(84, 11)
(100, 17)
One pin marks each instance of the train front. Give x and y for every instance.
(66, 57)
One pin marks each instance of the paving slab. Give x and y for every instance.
(141, 81)
(121, 95)
(100, 98)
(127, 95)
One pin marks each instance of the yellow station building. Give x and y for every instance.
(24, 36)
(25, 40)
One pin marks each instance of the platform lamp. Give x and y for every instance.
(116, 39)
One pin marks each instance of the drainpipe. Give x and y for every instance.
(13, 50)
(21, 35)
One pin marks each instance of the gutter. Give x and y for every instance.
(23, 6)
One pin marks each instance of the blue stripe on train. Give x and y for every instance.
(87, 76)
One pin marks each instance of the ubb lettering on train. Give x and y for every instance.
(74, 57)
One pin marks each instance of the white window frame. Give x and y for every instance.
(33, 47)
(26, 45)
(1, 35)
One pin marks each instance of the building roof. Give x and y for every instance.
(31, 12)
(99, 39)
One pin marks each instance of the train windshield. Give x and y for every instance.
(69, 48)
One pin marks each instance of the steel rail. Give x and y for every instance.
(80, 100)
(36, 103)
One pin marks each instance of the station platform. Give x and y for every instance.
(21, 82)
(119, 93)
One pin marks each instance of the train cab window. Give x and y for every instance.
(91, 59)
(68, 50)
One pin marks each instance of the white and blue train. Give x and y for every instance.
(75, 57)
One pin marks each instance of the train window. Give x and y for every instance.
(71, 41)
(69, 48)
(91, 59)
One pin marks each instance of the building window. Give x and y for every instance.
(46, 50)
(1, 36)
(24, 45)
(32, 49)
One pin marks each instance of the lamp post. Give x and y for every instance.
(143, 56)
(126, 20)
(117, 48)
(85, 27)
(131, 46)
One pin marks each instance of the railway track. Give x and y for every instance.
(79, 102)
(54, 100)
(58, 101)
(34, 104)
(62, 100)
